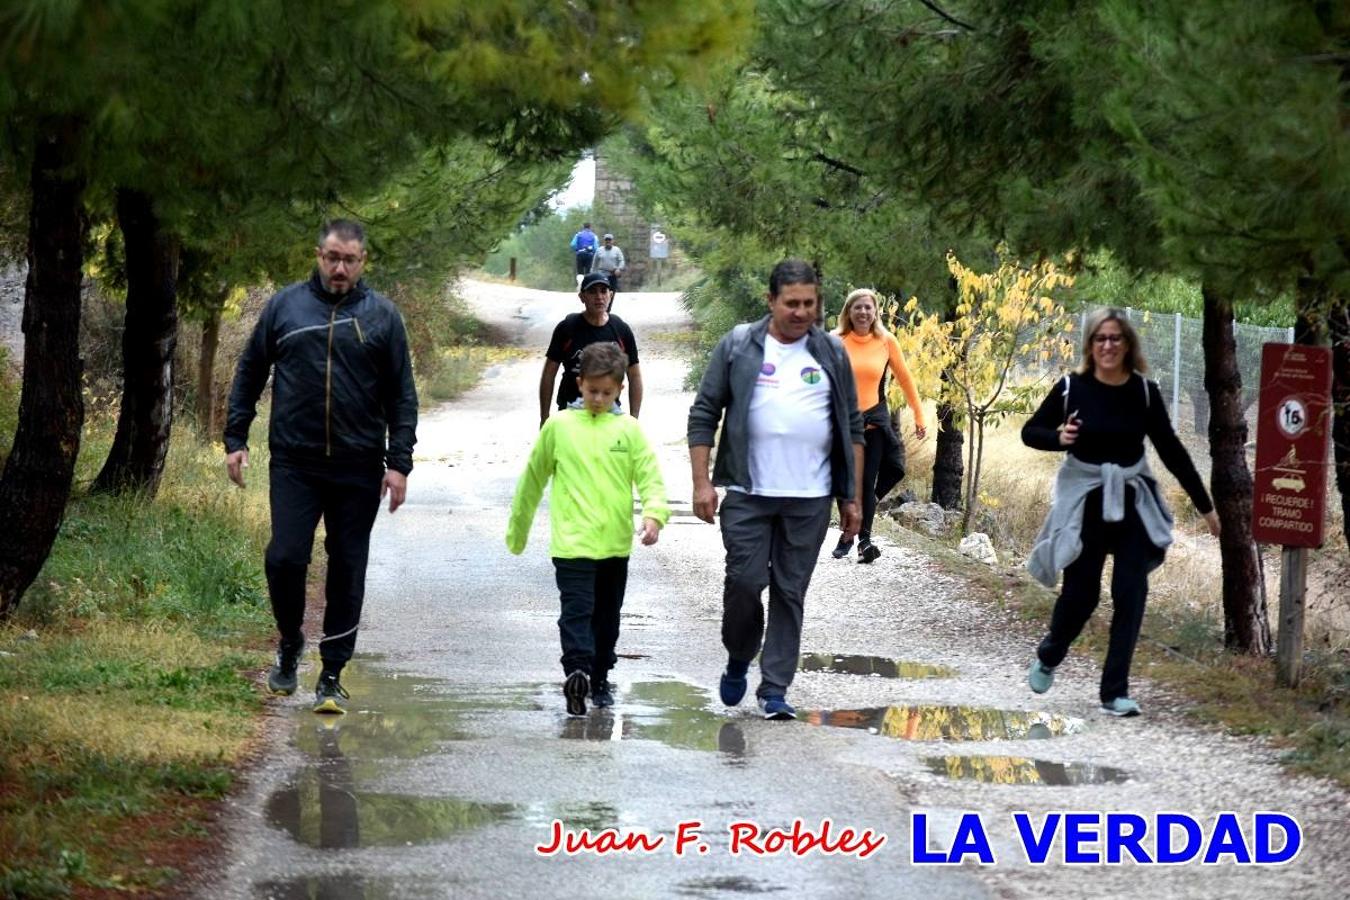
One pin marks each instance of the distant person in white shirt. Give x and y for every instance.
(609, 261)
(791, 444)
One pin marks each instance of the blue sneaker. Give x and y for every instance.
(732, 689)
(777, 709)
(1121, 706)
(1040, 676)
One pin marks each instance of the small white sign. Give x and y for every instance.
(1291, 417)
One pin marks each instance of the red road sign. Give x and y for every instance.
(1293, 430)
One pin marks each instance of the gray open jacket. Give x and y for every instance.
(342, 379)
(729, 383)
(1061, 537)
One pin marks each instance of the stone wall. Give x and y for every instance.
(617, 214)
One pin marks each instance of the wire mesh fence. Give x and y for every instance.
(1172, 345)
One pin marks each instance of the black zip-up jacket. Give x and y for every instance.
(342, 378)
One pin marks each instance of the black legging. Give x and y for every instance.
(1134, 555)
(883, 464)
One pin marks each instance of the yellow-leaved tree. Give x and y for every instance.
(991, 359)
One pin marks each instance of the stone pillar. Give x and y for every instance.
(617, 214)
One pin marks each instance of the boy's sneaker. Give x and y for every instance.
(329, 695)
(868, 552)
(1040, 676)
(602, 695)
(841, 549)
(281, 677)
(776, 708)
(732, 689)
(575, 689)
(1121, 706)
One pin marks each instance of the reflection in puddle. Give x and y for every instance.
(669, 712)
(576, 816)
(351, 886)
(325, 806)
(879, 666)
(397, 716)
(673, 713)
(950, 723)
(730, 884)
(1021, 770)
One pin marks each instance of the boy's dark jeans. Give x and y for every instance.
(347, 498)
(591, 591)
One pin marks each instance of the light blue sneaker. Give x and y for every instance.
(1040, 676)
(777, 709)
(1121, 706)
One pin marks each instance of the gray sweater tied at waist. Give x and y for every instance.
(1061, 537)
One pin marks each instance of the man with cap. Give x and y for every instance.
(575, 333)
(609, 261)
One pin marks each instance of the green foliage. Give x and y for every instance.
(1103, 281)
(1235, 119)
(544, 258)
(124, 557)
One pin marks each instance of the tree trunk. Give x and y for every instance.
(1338, 323)
(41, 464)
(136, 461)
(948, 468)
(1246, 626)
(206, 378)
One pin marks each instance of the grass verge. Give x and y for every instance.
(126, 679)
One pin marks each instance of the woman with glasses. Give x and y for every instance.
(1106, 499)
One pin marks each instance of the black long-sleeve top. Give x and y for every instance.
(1112, 423)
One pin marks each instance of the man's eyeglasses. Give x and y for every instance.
(1108, 338)
(334, 258)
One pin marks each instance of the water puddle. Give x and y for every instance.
(348, 886)
(729, 884)
(1021, 770)
(397, 716)
(877, 666)
(669, 712)
(948, 723)
(323, 807)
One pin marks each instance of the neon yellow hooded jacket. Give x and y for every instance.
(594, 462)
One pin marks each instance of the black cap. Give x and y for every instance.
(592, 280)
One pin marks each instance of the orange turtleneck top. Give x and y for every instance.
(869, 356)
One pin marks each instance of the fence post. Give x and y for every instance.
(1289, 335)
(1082, 324)
(1176, 363)
(512, 276)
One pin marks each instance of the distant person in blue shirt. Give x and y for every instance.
(583, 245)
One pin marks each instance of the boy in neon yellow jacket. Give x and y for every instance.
(594, 455)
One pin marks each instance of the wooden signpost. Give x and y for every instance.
(1293, 429)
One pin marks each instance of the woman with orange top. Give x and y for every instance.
(871, 349)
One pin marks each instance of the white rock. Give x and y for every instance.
(978, 546)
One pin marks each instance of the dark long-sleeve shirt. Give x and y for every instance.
(1113, 421)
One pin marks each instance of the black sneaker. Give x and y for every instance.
(281, 677)
(868, 552)
(575, 689)
(602, 695)
(330, 696)
(841, 549)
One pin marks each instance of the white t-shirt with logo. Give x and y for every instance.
(790, 427)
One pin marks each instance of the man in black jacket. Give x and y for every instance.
(342, 380)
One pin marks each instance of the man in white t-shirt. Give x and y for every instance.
(791, 444)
